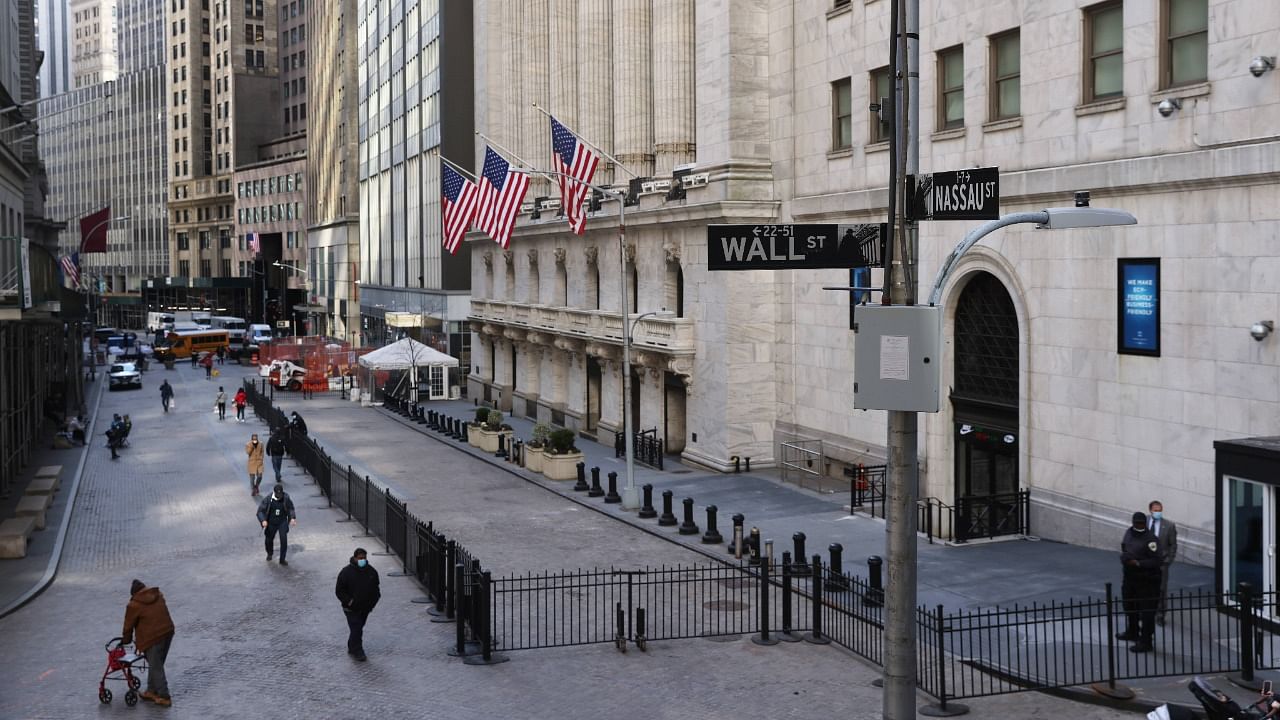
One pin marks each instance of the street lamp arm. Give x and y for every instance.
(556, 173)
(972, 238)
(294, 268)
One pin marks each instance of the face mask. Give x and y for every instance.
(1140, 529)
(1157, 514)
(361, 562)
(255, 442)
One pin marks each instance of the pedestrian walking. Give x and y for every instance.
(241, 399)
(220, 403)
(1142, 557)
(357, 589)
(1166, 533)
(254, 450)
(297, 426)
(277, 515)
(275, 448)
(195, 358)
(166, 395)
(147, 617)
(207, 362)
(222, 354)
(115, 436)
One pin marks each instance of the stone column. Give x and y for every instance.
(674, 117)
(564, 41)
(530, 384)
(651, 399)
(575, 397)
(534, 80)
(610, 400)
(633, 85)
(511, 131)
(595, 98)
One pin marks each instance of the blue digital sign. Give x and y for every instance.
(1139, 306)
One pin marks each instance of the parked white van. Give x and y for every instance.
(159, 321)
(258, 333)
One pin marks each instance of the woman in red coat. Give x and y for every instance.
(240, 400)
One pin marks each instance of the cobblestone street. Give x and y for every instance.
(257, 639)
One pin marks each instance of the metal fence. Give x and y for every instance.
(647, 448)
(962, 653)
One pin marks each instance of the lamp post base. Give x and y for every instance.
(631, 498)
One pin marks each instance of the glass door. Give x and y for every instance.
(1249, 534)
(435, 379)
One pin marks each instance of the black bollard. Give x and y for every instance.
(502, 446)
(465, 433)
(836, 581)
(738, 542)
(688, 527)
(754, 542)
(517, 453)
(667, 518)
(764, 638)
(612, 497)
(646, 510)
(581, 485)
(737, 465)
(748, 464)
(802, 568)
(596, 490)
(712, 535)
(874, 597)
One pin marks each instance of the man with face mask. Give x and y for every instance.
(1142, 557)
(1167, 535)
(277, 515)
(357, 590)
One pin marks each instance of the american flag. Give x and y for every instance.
(71, 268)
(573, 158)
(254, 245)
(501, 192)
(458, 203)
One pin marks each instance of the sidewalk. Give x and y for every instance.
(175, 512)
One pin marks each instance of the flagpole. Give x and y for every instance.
(518, 159)
(455, 166)
(598, 149)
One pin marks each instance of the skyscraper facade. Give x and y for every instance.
(414, 59)
(93, 29)
(52, 31)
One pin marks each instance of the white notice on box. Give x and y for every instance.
(895, 352)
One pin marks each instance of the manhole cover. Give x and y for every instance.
(736, 583)
(725, 605)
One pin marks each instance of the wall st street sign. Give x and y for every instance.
(957, 195)
(793, 247)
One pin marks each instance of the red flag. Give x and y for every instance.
(93, 231)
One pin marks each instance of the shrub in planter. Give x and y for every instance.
(561, 442)
(482, 414)
(533, 448)
(493, 421)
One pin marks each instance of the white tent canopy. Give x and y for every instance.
(411, 355)
(406, 354)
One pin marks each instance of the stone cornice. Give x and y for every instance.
(720, 211)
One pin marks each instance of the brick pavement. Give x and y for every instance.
(258, 639)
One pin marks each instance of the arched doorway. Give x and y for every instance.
(984, 402)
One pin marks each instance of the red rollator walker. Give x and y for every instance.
(122, 664)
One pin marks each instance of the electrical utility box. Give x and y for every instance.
(897, 358)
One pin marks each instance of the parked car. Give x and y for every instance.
(124, 375)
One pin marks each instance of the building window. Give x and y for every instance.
(1006, 76)
(184, 242)
(882, 92)
(184, 268)
(841, 114)
(1104, 51)
(205, 269)
(204, 241)
(1185, 59)
(951, 88)
(226, 267)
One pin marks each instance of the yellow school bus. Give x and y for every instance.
(182, 343)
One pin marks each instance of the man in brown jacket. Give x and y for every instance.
(257, 454)
(148, 616)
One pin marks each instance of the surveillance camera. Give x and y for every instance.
(1082, 198)
(1261, 329)
(1261, 64)
(1168, 105)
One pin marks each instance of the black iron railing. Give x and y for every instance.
(646, 445)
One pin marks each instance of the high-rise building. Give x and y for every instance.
(93, 41)
(414, 62)
(105, 145)
(332, 155)
(222, 60)
(53, 33)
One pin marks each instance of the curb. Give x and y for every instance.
(55, 558)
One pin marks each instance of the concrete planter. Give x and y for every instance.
(561, 467)
(473, 435)
(488, 440)
(533, 458)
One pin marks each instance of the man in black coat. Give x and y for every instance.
(1142, 557)
(357, 590)
(275, 448)
(277, 515)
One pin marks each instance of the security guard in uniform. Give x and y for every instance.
(1142, 556)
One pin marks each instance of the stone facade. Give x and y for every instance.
(769, 355)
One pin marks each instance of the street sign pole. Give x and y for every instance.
(902, 440)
